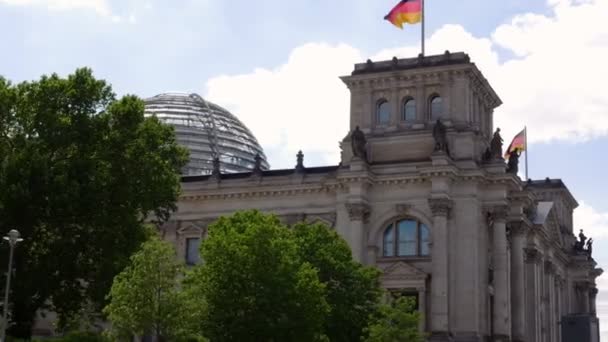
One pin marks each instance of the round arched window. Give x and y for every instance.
(436, 107)
(383, 113)
(406, 238)
(409, 110)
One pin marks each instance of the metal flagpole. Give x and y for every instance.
(526, 148)
(422, 40)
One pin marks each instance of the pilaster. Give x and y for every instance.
(358, 213)
(518, 287)
(439, 318)
(500, 253)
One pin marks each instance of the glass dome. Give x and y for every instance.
(207, 130)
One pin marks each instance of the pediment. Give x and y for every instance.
(191, 229)
(402, 270)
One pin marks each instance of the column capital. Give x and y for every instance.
(497, 212)
(549, 267)
(358, 211)
(516, 228)
(440, 206)
(531, 256)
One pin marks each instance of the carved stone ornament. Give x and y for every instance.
(497, 213)
(440, 206)
(516, 228)
(531, 256)
(402, 208)
(358, 211)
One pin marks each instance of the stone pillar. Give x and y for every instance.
(358, 213)
(518, 286)
(550, 300)
(582, 297)
(592, 298)
(500, 254)
(532, 259)
(439, 319)
(422, 308)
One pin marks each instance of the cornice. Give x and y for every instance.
(259, 192)
(228, 190)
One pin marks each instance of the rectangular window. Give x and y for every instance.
(192, 254)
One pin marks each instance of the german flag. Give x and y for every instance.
(406, 11)
(518, 144)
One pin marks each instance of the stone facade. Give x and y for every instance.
(489, 256)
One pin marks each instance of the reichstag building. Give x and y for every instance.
(421, 191)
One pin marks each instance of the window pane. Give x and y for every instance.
(192, 245)
(409, 110)
(424, 240)
(389, 242)
(384, 114)
(436, 108)
(407, 238)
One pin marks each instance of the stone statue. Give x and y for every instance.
(590, 247)
(257, 168)
(580, 244)
(582, 237)
(300, 161)
(496, 145)
(513, 165)
(441, 141)
(216, 167)
(359, 144)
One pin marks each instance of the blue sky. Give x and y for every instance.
(275, 65)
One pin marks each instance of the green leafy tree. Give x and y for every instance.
(145, 298)
(396, 322)
(255, 285)
(80, 171)
(353, 291)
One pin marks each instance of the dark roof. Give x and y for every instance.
(269, 173)
(412, 63)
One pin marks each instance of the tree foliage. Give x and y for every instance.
(396, 322)
(145, 298)
(79, 172)
(353, 291)
(255, 285)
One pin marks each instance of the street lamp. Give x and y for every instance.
(12, 238)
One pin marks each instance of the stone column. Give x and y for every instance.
(532, 259)
(592, 298)
(550, 301)
(500, 253)
(582, 297)
(518, 286)
(358, 213)
(439, 319)
(422, 308)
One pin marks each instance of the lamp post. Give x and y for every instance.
(13, 239)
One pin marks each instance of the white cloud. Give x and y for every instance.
(594, 223)
(552, 81)
(301, 103)
(100, 6)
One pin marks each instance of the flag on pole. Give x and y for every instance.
(406, 11)
(518, 144)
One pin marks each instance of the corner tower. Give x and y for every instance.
(396, 104)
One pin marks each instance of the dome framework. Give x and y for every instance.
(207, 131)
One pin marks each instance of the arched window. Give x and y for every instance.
(406, 238)
(383, 113)
(435, 107)
(409, 110)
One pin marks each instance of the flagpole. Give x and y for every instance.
(526, 142)
(422, 40)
